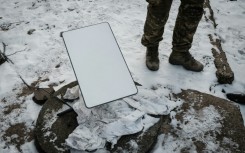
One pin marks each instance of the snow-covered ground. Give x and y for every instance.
(43, 54)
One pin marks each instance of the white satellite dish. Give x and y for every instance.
(99, 66)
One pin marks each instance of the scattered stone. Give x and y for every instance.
(236, 97)
(31, 31)
(62, 81)
(241, 52)
(5, 26)
(41, 95)
(57, 66)
(71, 9)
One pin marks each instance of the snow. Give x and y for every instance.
(38, 54)
(148, 101)
(100, 124)
(72, 93)
(207, 119)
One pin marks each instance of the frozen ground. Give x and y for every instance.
(42, 55)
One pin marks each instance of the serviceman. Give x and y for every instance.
(189, 15)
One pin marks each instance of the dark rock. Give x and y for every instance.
(57, 66)
(144, 141)
(5, 26)
(41, 95)
(51, 131)
(236, 97)
(242, 52)
(71, 9)
(232, 127)
(31, 31)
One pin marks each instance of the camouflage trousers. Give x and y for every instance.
(189, 15)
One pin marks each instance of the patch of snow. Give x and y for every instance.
(150, 102)
(28, 147)
(133, 144)
(72, 93)
(83, 138)
(127, 125)
(106, 123)
(195, 124)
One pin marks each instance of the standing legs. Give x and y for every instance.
(157, 15)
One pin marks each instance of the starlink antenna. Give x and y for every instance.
(99, 65)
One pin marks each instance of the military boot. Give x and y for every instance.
(186, 60)
(152, 60)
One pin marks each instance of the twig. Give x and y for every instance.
(9, 60)
(3, 54)
(24, 82)
(4, 47)
(16, 52)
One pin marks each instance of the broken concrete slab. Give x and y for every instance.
(226, 131)
(227, 135)
(62, 90)
(51, 131)
(141, 142)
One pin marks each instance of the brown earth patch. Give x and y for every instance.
(8, 109)
(29, 89)
(17, 135)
